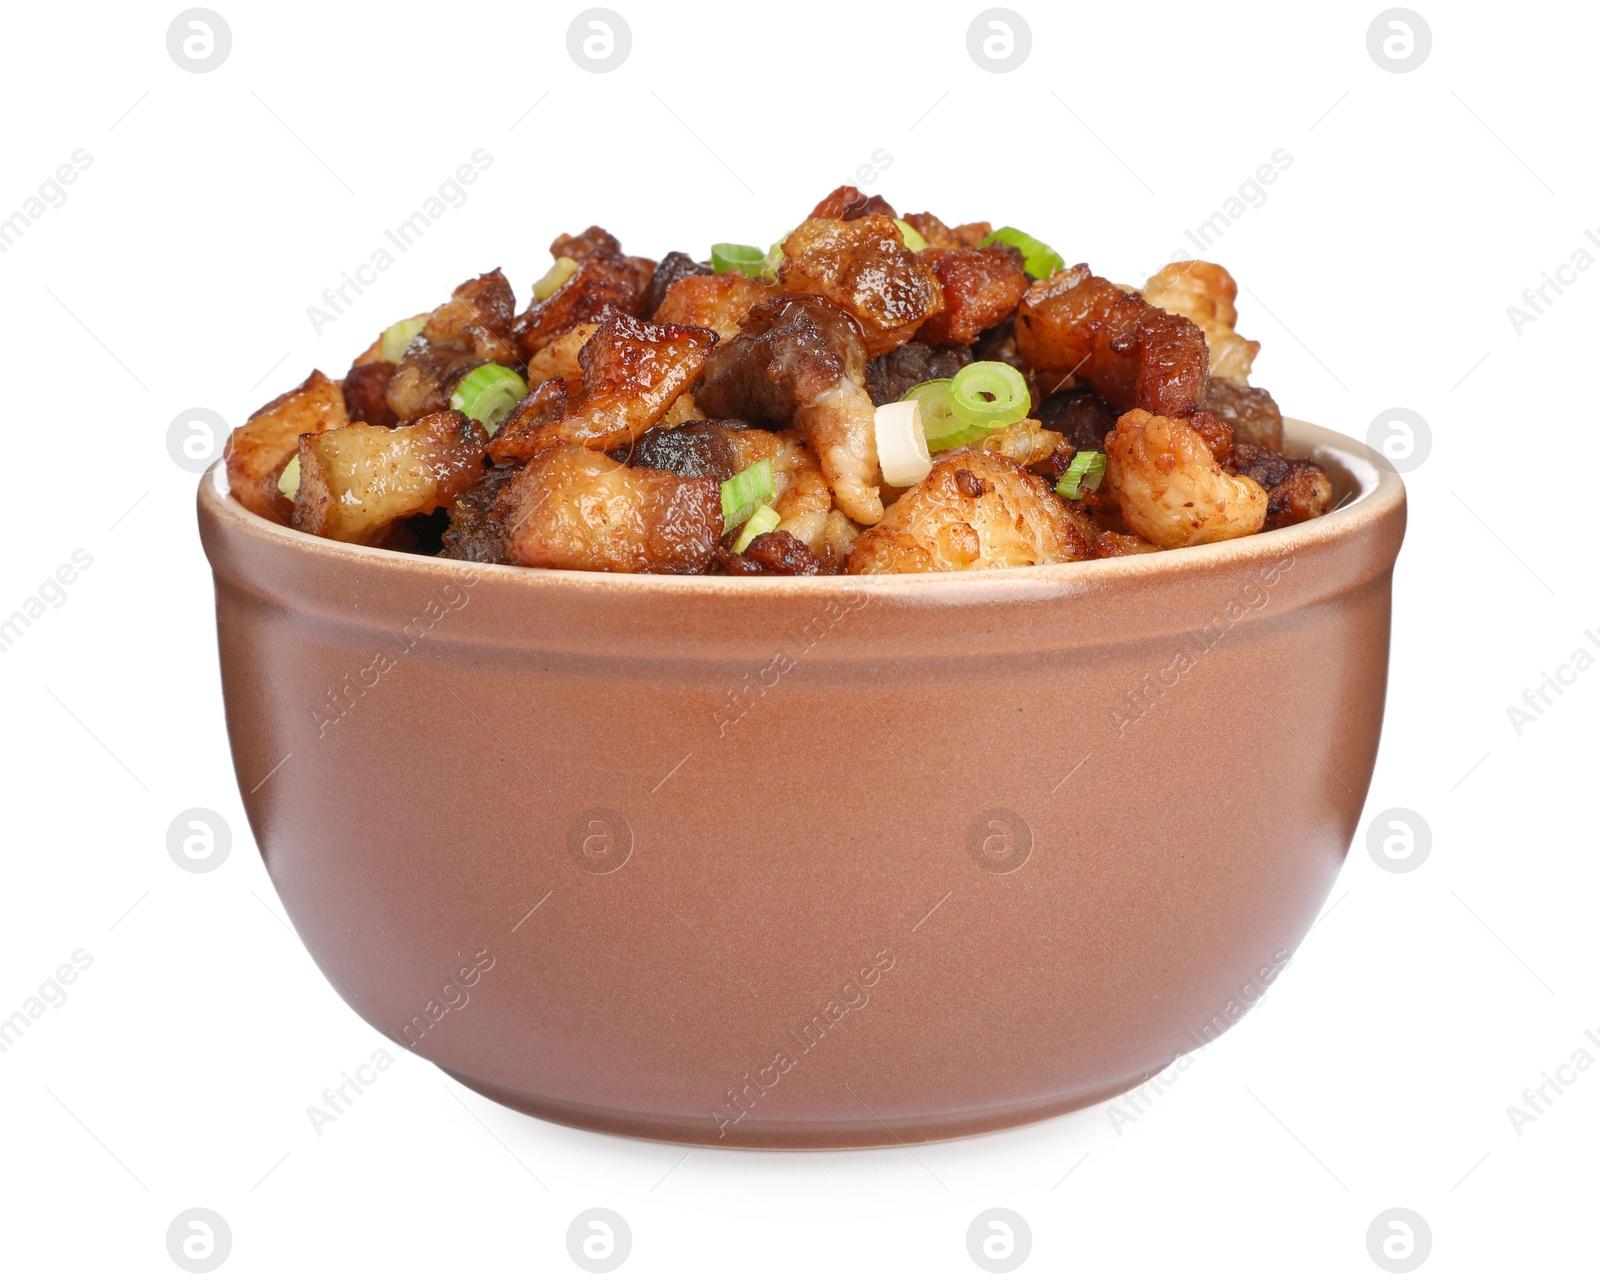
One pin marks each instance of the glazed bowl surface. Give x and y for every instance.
(813, 862)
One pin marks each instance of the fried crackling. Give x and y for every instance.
(981, 288)
(1297, 488)
(719, 302)
(258, 452)
(669, 271)
(864, 267)
(573, 508)
(800, 361)
(605, 279)
(1170, 488)
(525, 429)
(1025, 442)
(357, 481)
(715, 448)
(1082, 417)
(1205, 293)
(777, 552)
(471, 329)
(474, 532)
(1077, 324)
(974, 511)
(633, 371)
(1252, 411)
(366, 389)
(849, 203)
(559, 357)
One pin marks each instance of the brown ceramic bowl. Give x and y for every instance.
(808, 863)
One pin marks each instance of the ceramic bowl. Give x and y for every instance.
(816, 862)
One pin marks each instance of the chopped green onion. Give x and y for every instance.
(990, 394)
(744, 493)
(773, 261)
(1038, 259)
(488, 394)
(941, 426)
(398, 337)
(1085, 472)
(289, 482)
(745, 259)
(912, 237)
(560, 272)
(762, 521)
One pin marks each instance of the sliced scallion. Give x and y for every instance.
(488, 394)
(289, 481)
(913, 238)
(773, 261)
(1038, 259)
(990, 394)
(1085, 472)
(745, 259)
(744, 493)
(764, 520)
(560, 272)
(399, 335)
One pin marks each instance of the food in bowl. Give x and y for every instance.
(872, 395)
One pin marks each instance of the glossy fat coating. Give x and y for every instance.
(1251, 410)
(1136, 356)
(863, 267)
(258, 452)
(573, 508)
(473, 328)
(719, 302)
(357, 481)
(974, 511)
(981, 288)
(1170, 488)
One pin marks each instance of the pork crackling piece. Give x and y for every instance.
(574, 508)
(974, 511)
(1170, 487)
(800, 361)
(473, 328)
(1079, 325)
(1205, 293)
(357, 481)
(258, 452)
(863, 267)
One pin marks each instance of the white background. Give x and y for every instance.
(1378, 273)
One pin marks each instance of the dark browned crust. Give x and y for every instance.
(982, 288)
(792, 349)
(1297, 488)
(475, 533)
(1252, 411)
(892, 375)
(1082, 417)
(863, 267)
(848, 203)
(365, 399)
(776, 553)
(1079, 325)
(709, 447)
(669, 271)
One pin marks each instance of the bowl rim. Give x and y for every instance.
(1376, 492)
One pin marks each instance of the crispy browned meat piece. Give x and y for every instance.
(1109, 543)
(1170, 487)
(892, 375)
(982, 287)
(523, 433)
(848, 203)
(1297, 488)
(365, 394)
(477, 319)
(599, 285)
(717, 448)
(576, 509)
(800, 360)
(776, 553)
(1251, 410)
(597, 244)
(633, 370)
(473, 328)
(671, 269)
(719, 302)
(258, 452)
(1082, 417)
(475, 533)
(792, 349)
(974, 511)
(1217, 434)
(357, 481)
(932, 229)
(864, 267)
(1205, 293)
(1135, 355)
